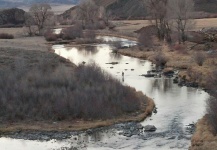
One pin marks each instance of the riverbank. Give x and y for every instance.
(183, 60)
(203, 138)
(76, 124)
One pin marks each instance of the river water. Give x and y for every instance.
(176, 106)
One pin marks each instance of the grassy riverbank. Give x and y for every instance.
(184, 61)
(203, 138)
(184, 58)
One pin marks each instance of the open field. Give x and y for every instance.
(133, 25)
(22, 42)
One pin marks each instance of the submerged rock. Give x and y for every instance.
(113, 63)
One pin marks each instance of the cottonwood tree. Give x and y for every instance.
(158, 9)
(180, 11)
(29, 27)
(41, 14)
(87, 12)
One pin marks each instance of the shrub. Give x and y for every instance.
(145, 40)
(101, 25)
(111, 26)
(212, 101)
(6, 36)
(160, 59)
(194, 75)
(180, 48)
(72, 33)
(90, 34)
(199, 58)
(57, 94)
(50, 36)
(212, 113)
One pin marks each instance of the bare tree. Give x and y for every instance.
(158, 11)
(29, 27)
(87, 12)
(180, 11)
(41, 14)
(145, 40)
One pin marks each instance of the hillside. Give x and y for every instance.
(135, 9)
(105, 3)
(10, 17)
(123, 9)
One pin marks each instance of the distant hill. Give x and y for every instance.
(136, 8)
(206, 5)
(11, 17)
(121, 9)
(17, 3)
(128, 9)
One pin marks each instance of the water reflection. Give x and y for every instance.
(88, 50)
(115, 56)
(176, 106)
(163, 85)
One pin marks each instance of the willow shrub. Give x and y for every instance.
(88, 92)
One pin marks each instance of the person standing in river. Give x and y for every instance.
(122, 76)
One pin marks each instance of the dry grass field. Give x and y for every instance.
(21, 41)
(205, 23)
(133, 25)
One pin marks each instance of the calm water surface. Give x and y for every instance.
(176, 106)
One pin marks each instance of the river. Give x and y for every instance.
(176, 106)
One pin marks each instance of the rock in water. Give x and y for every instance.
(150, 128)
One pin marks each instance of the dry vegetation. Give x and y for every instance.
(195, 64)
(6, 36)
(203, 138)
(41, 87)
(44, 93)
(21, 41)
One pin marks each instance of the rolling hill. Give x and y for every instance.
(135, 9)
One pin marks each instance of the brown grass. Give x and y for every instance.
(132, 25)
(22, 42)
(203, 139)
